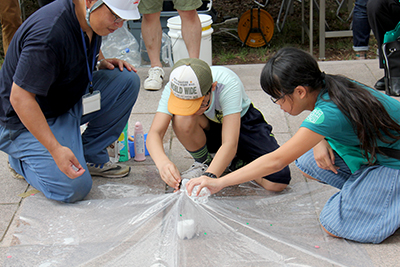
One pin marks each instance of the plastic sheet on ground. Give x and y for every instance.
(261, 229)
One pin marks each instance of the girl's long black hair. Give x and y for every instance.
(291, 67)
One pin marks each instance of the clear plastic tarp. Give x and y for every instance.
(156, 229)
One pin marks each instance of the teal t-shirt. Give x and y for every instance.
(327, 120)
(228, 98)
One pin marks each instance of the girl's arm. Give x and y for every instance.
(299, 144)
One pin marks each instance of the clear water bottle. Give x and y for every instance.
(202, 198)
(165, 52)
(125, 51)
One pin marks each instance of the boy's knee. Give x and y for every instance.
(271, 186)
(277, 181)
(183, 124)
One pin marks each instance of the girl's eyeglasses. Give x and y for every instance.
(274, 100)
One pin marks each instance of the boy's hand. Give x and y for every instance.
(170, 175)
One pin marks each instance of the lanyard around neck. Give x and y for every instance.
(90, 71)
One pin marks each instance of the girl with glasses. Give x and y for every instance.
(349, 141)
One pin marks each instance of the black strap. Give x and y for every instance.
(390, 152)
(209, 174)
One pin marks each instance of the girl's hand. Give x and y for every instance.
(214, 185)
(324, 156)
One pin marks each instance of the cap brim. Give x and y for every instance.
(127, 14)
(183, 107)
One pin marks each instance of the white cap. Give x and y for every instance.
(125, 9)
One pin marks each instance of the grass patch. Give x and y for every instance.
(227, 49)
(224, 44)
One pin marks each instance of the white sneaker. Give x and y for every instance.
(155, 79)
(196, 170)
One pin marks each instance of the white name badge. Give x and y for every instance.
(91, 102)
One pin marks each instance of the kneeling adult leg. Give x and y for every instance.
(32, 160)
(119, 91)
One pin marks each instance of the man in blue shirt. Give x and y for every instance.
(48, 89)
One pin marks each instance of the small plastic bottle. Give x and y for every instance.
(139, 142)
(202, 198)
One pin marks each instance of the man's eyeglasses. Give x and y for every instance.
(117, 18)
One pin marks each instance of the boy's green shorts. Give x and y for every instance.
(154, 6)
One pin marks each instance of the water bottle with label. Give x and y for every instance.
(139, 143)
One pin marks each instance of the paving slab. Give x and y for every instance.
(302, 197)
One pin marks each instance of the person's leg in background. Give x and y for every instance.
(119, 91)
(10, 16)
(152, 36)
(191, 25)
(383, 16)
(191, 32)
(361, 29)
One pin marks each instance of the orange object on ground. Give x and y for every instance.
(248, 27)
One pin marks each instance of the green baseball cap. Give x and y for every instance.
(190, 80)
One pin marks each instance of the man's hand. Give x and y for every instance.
(111, 63)
(67, 162)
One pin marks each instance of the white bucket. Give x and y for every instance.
(179, 50)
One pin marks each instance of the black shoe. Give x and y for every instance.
(380, 84)
(236, 164)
